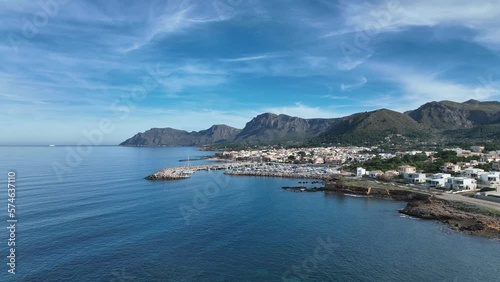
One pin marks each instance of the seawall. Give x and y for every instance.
(184, 172)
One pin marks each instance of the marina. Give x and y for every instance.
(249, 169)
(185, 172)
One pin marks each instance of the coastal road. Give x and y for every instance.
(451, 197)
(460, 198)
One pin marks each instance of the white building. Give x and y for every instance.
(488, 158)
(415, 177)
(461, 183)
(360, 171)
(490, 179)
(438, 180)
(472, 172)
(375, 173)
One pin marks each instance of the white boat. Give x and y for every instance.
(52, 145)
(188, 170)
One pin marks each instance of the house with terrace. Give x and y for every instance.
(460, 183)
(437, 180)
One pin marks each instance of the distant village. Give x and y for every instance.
(453, 177)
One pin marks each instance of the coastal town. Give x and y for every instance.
(422, 169)
(466, 176)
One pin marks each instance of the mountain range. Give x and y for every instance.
(443, 121)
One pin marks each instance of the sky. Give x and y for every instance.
(104, 70)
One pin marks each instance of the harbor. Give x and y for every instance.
(285, 171)
(248, 169)
(185, 172)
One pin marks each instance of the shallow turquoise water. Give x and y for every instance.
(104, 222)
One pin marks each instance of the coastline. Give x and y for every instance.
(458, 215)
(464, 217)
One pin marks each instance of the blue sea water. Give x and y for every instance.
(101, 221)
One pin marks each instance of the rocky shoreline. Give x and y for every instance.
(459, 216)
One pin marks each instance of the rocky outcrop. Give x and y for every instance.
(459, 216)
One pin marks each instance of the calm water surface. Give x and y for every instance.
(102, 221)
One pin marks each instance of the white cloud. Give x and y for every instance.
(347, 63)
(253, 58)
(176, 78)
(349, 87)
(483, 16)
(303, 111)
(418, 88)
(178, 83)
(427, 88)
(177, 17)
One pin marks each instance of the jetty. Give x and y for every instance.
(303, 175)
(305, 171)
(185, 172)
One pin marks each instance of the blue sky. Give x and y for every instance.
(68, 65)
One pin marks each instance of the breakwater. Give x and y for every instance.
(185, 172)
(285, 171)
(248, 169)
(304, 175)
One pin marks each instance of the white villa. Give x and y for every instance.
(490, 179)
(360, 171)
(438, 180)
(461, 183)
(472, 172)
(415, 177)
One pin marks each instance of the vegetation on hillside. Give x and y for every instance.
(420, 161)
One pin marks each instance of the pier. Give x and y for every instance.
(305, 171)
(185, 172)
(248, 169)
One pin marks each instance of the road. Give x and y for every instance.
(460, 198)
(448, 196)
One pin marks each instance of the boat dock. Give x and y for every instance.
(304, 171)
(184, 172)
(248, 169)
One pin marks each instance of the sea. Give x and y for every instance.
(88, 214)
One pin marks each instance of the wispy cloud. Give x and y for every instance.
(177, 17)
(349, 87)
(417, 87)
(348, 63)
(254, 58)
(95, 52)
(304, 111)
(481, 17)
